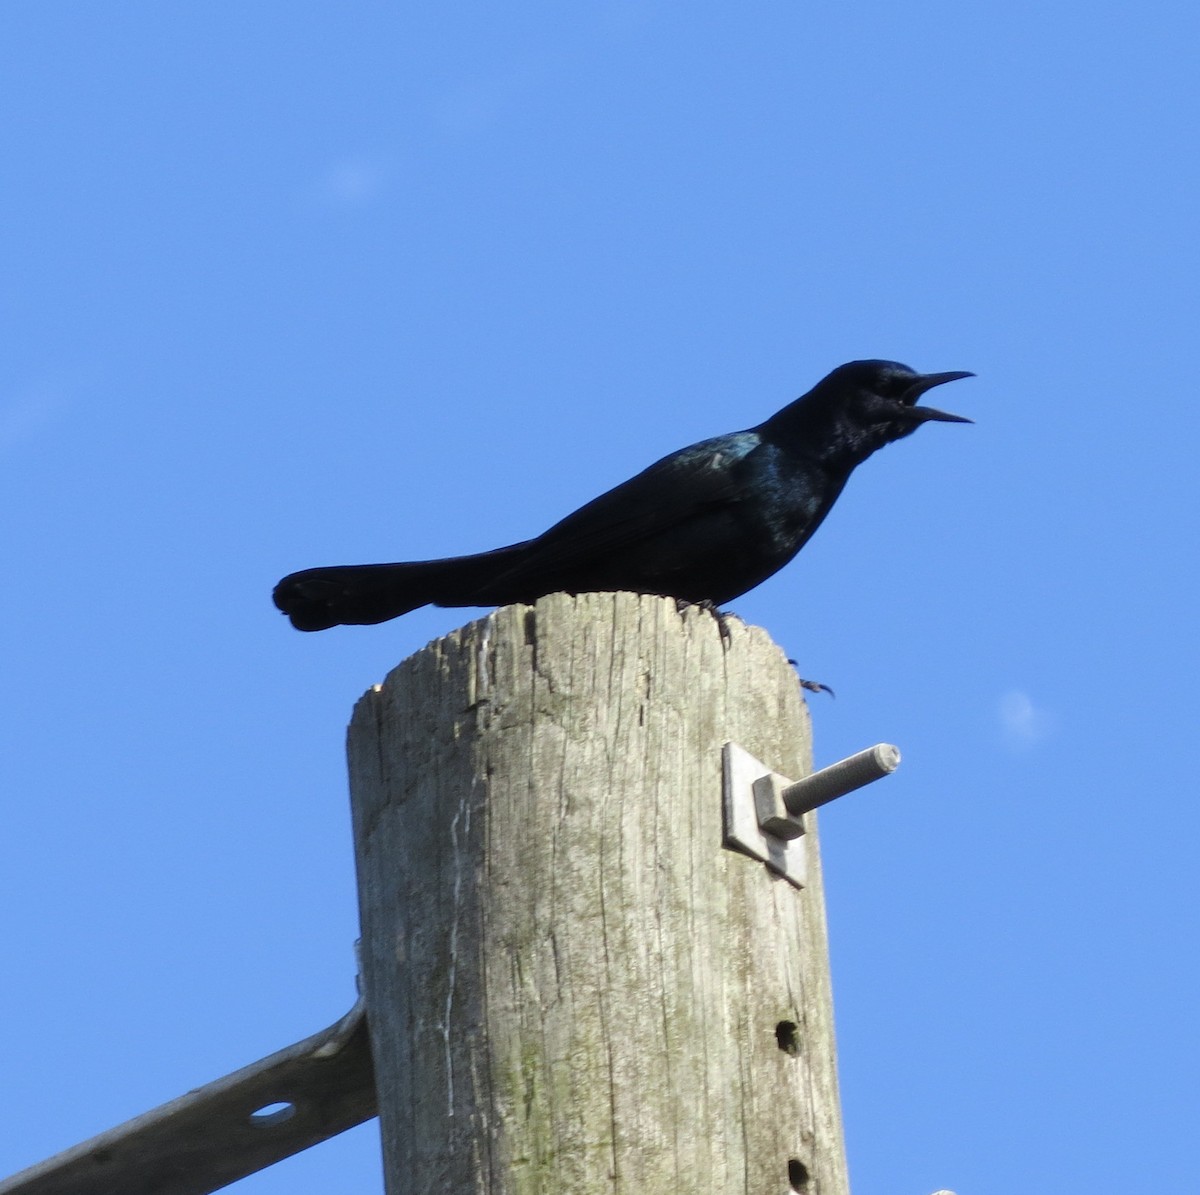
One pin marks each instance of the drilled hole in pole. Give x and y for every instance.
(797, 1176)
(787, 1034)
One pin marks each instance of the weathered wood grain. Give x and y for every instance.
(572, 986)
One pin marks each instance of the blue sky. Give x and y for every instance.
(296, 284)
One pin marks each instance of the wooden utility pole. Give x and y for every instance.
(572, 986)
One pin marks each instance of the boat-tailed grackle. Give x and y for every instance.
(703, 525)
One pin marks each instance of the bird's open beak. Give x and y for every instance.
(927, 382)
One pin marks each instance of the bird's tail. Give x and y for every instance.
(360, 594)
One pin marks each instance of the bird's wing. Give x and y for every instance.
(672, 492)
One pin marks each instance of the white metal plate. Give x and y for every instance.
(742, 831)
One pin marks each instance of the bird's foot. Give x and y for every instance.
(722, 616)
(812, 686)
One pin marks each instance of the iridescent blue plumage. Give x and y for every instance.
(705, 524)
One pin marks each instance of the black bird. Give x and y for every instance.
(703, 525)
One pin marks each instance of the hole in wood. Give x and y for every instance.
(787, 1034)
(797, 1175)
(272, 1114)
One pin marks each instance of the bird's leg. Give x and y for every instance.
(812, 686)
(815, 686)
(722, 616)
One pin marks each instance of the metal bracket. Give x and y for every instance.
(227, 1129)
(764, 811)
